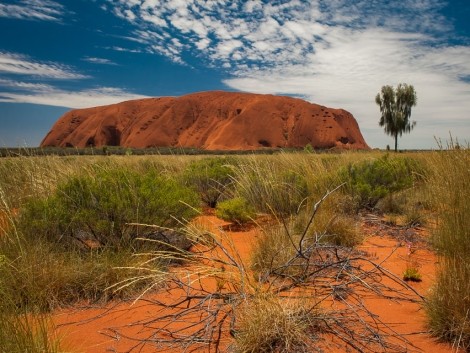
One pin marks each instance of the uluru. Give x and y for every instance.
(215, 120)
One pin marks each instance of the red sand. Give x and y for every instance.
(209, 120)
(92, 330)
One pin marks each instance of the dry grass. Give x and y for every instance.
(268, 324)
(448, 306)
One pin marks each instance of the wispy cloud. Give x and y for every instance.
(337, 53)
(24, 92)
(41, 10)
(122, 49)
(17, 64)
(101, 61)
(255, 35)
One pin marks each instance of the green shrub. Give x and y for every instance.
(412, 274)
(211, 177)
(235, 210)
(100, 207)
(371, 181)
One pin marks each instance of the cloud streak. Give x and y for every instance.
(39, 10)
(34, 85)
(17, 64)
(36, 93)
(100, 61)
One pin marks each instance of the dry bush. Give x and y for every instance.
(215, 293)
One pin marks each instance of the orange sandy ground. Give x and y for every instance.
(93, 330)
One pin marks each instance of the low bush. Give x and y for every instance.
(99, 208)
(412, 274)
(373, 180)
(211, 177)
(235, 210)
(81, 240)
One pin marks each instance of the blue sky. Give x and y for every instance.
(58, 55)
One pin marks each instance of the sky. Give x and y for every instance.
(60, 55)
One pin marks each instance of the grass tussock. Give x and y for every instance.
(25, 332)
(268, 324)
(448, 306)
(21, 329)
(270, 188)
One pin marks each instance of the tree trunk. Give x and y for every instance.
(396, 143)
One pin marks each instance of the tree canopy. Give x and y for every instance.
(395, 108)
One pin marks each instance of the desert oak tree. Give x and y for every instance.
(395, 108)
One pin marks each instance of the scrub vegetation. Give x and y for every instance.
(101, 228)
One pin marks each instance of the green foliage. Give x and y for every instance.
(412, 274)
(235, 210)
(395, 108)
(100, 207)
(211, 177)
(371, 181)
(308, 148)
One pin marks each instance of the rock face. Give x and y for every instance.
(208, 120)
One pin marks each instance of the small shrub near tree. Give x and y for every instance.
(371, 181)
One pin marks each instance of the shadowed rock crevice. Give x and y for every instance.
(112, 136)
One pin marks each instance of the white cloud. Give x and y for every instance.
(23, 92)
(203, 44)
(102, 61)
(122, 49)
(17, 64)
(44, 10)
